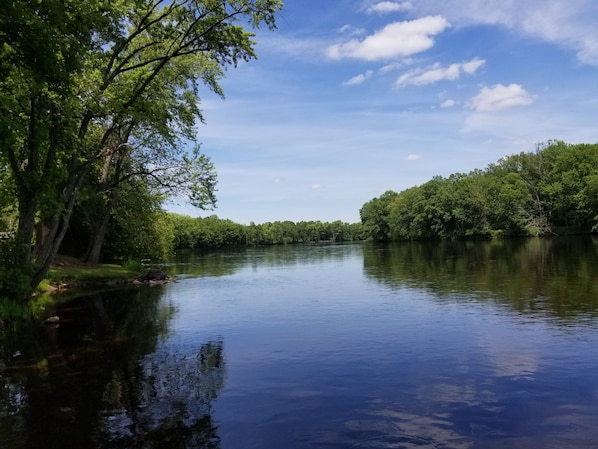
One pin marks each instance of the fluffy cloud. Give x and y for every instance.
(448, 104)
(436, 72)
(387, 7)
(358, 79)
(394, 40)
(570, 24)
(500, 97)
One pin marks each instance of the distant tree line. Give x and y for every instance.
(148, 231)
(553, 190)
(214, 232)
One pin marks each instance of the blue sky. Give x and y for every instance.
(349, 99)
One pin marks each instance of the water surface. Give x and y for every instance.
(444, 345)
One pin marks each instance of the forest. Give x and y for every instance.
(552, 191)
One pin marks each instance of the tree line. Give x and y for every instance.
(213, 232)
(553, 190)
(157, 234)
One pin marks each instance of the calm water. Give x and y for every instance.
(444, 345)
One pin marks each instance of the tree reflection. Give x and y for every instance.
(103, 378)
(554, 276)
(167, 402)
(230, 261)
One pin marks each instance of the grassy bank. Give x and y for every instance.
(71, 273)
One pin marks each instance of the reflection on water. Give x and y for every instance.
(415, 345)
(168, 403)
(531, 275)
(228, 262)
(100, 378)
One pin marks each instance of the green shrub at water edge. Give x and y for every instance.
(133, 266)
(14, 277)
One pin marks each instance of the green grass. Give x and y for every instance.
(81, 275)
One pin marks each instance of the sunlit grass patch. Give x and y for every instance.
(84, 274)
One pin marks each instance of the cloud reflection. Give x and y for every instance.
(387, 428)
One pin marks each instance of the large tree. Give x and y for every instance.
(375, 215)
(79, 78)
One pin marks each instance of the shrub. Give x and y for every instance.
(14, 276)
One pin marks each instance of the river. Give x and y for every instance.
(438, 345)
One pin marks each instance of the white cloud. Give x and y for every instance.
(472, 66)
(394, 40)
(352, 31)
(316, 186)
(570, 24)
(291, 47)
(387, 7)
(436, 72)
(395, 66)
(500, 97)
(413, 157)
(358, 79)
(448, 104)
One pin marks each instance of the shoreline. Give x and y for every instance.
(68, 274)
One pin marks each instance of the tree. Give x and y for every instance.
(375, 214)
(191, 175)
(404, 216)
(531, 212)
(567, 187)
(82, 77)
(139, 227)
(43, 46)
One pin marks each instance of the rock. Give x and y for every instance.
(153, 275)
(52, 320)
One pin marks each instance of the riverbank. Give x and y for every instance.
(68, 273)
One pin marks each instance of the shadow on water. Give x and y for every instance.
(553, 276)
(100, 379)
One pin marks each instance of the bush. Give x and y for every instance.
(14, 276)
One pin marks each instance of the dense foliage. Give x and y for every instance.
(155, 234)
(553, 190)
(213, 232)
(98, 99)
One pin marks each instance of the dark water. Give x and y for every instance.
(444, 345)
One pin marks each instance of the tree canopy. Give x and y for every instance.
(108, 91)
(549, 191)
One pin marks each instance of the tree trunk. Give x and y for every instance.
(24, 169)
(59, 223)
(51, 246)
(26, 227)
(108, 182)
(98, 233)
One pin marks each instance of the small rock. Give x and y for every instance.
(52, 320)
